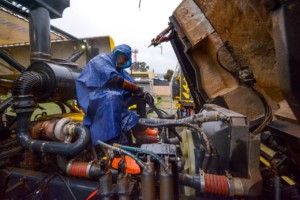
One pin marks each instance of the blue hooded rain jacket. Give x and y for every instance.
(105, 114)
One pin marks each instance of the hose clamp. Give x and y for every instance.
(202, 181)
(88, 168)
(69, 166)
(230, 183)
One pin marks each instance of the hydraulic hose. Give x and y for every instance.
(139, 162)
(195, 119)
(139, 150)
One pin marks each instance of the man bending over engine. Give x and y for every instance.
(104, 91)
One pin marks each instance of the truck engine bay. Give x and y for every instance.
(240, 62)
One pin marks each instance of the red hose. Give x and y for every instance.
(79, 169)
(93, 194)
(216, 184)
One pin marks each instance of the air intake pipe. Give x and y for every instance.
(45, 81)
(79, 169)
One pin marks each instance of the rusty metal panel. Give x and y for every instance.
(247, 26)
(193, 22)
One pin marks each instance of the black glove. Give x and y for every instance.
(139, 92)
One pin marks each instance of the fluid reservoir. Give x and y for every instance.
(58, 81)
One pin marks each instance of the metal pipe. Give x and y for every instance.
(195, 119)
(39, 28)
(75, 56)
(105, 188)
(123, 187)
(277, 187)
(11, 61)
(5, 104)
(166, 181)
(148, 181)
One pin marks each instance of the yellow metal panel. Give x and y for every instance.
(111, 43)
(78, 117)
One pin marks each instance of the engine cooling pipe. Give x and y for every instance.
(45, 81)
(79, 169)
(23, 121)
(218, 184)
(24, 106)
(166, 182)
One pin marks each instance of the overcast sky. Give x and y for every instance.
(125, 23)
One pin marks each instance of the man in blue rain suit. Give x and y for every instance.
(104, 89)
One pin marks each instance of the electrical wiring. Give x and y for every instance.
(233, 73)
(42, 185)
(267, 108)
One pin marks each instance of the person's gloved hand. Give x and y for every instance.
(139, 92)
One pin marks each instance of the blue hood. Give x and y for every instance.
(123, 48)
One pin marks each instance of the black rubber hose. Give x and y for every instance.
(23, 121)
(12, 62)
(24, 105)
(190, 180)
(26, 83)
